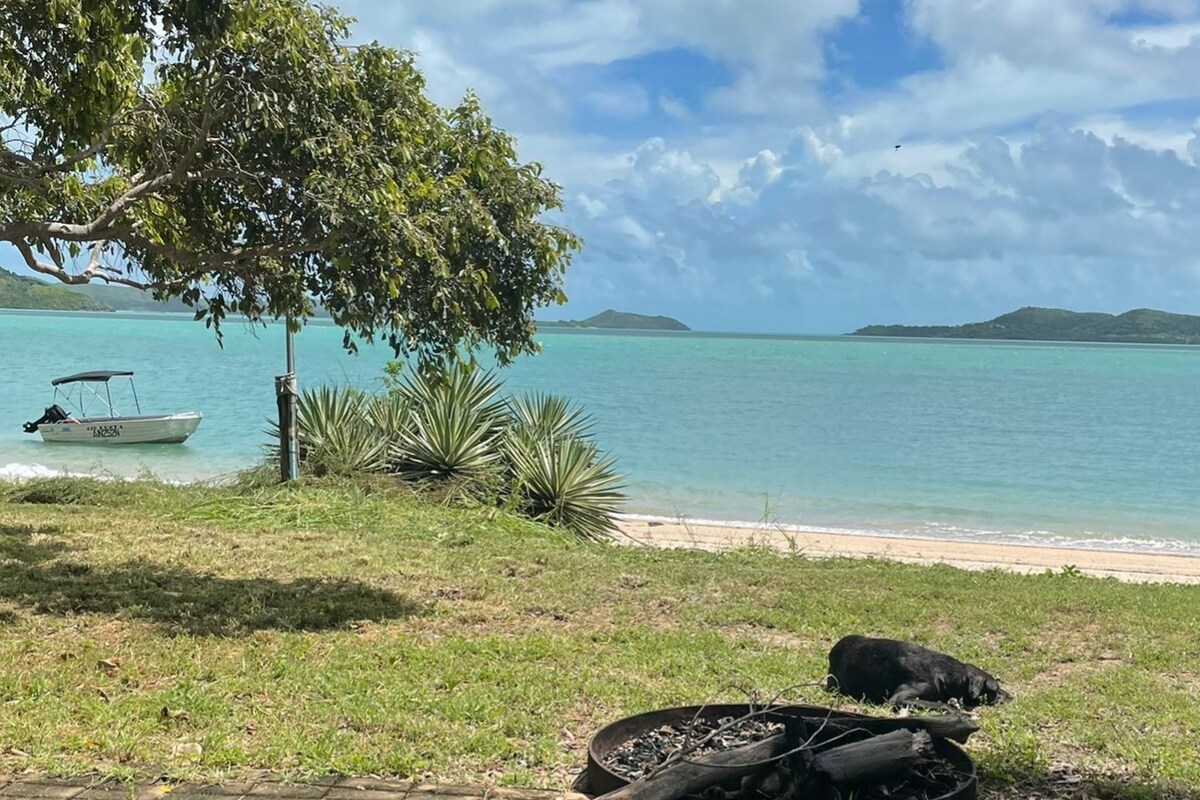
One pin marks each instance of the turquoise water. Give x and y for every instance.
(1085, 444)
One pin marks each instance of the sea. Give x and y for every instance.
(1085, 445)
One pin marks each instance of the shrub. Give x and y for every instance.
(547, 416)
(451, 429)
(453, 425)
(563, 481)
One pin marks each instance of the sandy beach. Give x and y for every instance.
(1132, 567)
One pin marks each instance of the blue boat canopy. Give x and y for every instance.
(100, 377)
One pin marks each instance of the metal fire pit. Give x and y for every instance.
(600, 780)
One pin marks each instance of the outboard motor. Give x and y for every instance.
(54, 413)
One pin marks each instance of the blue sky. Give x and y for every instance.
(732, 162)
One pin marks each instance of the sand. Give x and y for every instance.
(1132, 567)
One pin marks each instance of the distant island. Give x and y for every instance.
(19, 291)
(1142, 325)
(620, 320)
(126, 298)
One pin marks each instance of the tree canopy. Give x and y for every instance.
(239, 154)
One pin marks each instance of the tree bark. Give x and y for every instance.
(955, 727)
(874, 759)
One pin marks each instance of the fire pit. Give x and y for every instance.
(845, 751)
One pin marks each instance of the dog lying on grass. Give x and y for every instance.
(902, 673)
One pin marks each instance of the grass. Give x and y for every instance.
(368, 630)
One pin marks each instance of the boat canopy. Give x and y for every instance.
(98, 377)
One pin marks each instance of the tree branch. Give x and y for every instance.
(94, 270)
(229, 258)
(52, 270)
(102, 225)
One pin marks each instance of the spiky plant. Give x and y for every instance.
(564, 481)
(336, 435)
(461, 384)
(453, 427)
(546, 416)
(390, 413)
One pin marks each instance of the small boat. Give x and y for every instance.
(56, 425)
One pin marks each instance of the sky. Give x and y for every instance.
(734, 163)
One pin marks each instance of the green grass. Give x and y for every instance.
(333, 628)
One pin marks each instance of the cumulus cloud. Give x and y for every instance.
(772, 48)
(1063, 212)
(1034, 165)
(1010, 60)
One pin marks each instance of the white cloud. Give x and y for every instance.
(772, 47)
(1151, 135)
(669, 176)
(1011, 60)
(673, 107)
(1021, 169)
(1168, 37)
(620, 101)
(1066, 212)
(591, 206)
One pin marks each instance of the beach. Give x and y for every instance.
(1121, 565)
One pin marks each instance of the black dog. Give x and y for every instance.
(899, 673)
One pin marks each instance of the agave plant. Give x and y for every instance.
(336, 433)
(453, 426)
(547, 416)
(564, 481)
(462, 385)
(390, 413)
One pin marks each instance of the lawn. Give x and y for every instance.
(200, 633)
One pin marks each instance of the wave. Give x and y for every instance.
(940, 532)
(17, 473)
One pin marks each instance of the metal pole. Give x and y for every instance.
(285, 398)
(294, 429)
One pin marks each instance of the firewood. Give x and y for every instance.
(955, 727)
(873, 759)
(695, 775)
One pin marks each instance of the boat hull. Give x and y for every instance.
(165, 429)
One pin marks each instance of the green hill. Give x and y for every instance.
(621, 320)
(18, 291)
(1142, 325)
(126, 298)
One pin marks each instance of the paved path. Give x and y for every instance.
(324, 789)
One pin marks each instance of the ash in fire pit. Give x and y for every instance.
(638, 757)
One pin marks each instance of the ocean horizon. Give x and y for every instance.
(1032, 443)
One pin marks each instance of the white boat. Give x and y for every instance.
(57, 425)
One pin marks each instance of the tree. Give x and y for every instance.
(240, 155)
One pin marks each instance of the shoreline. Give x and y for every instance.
(1026, 558)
